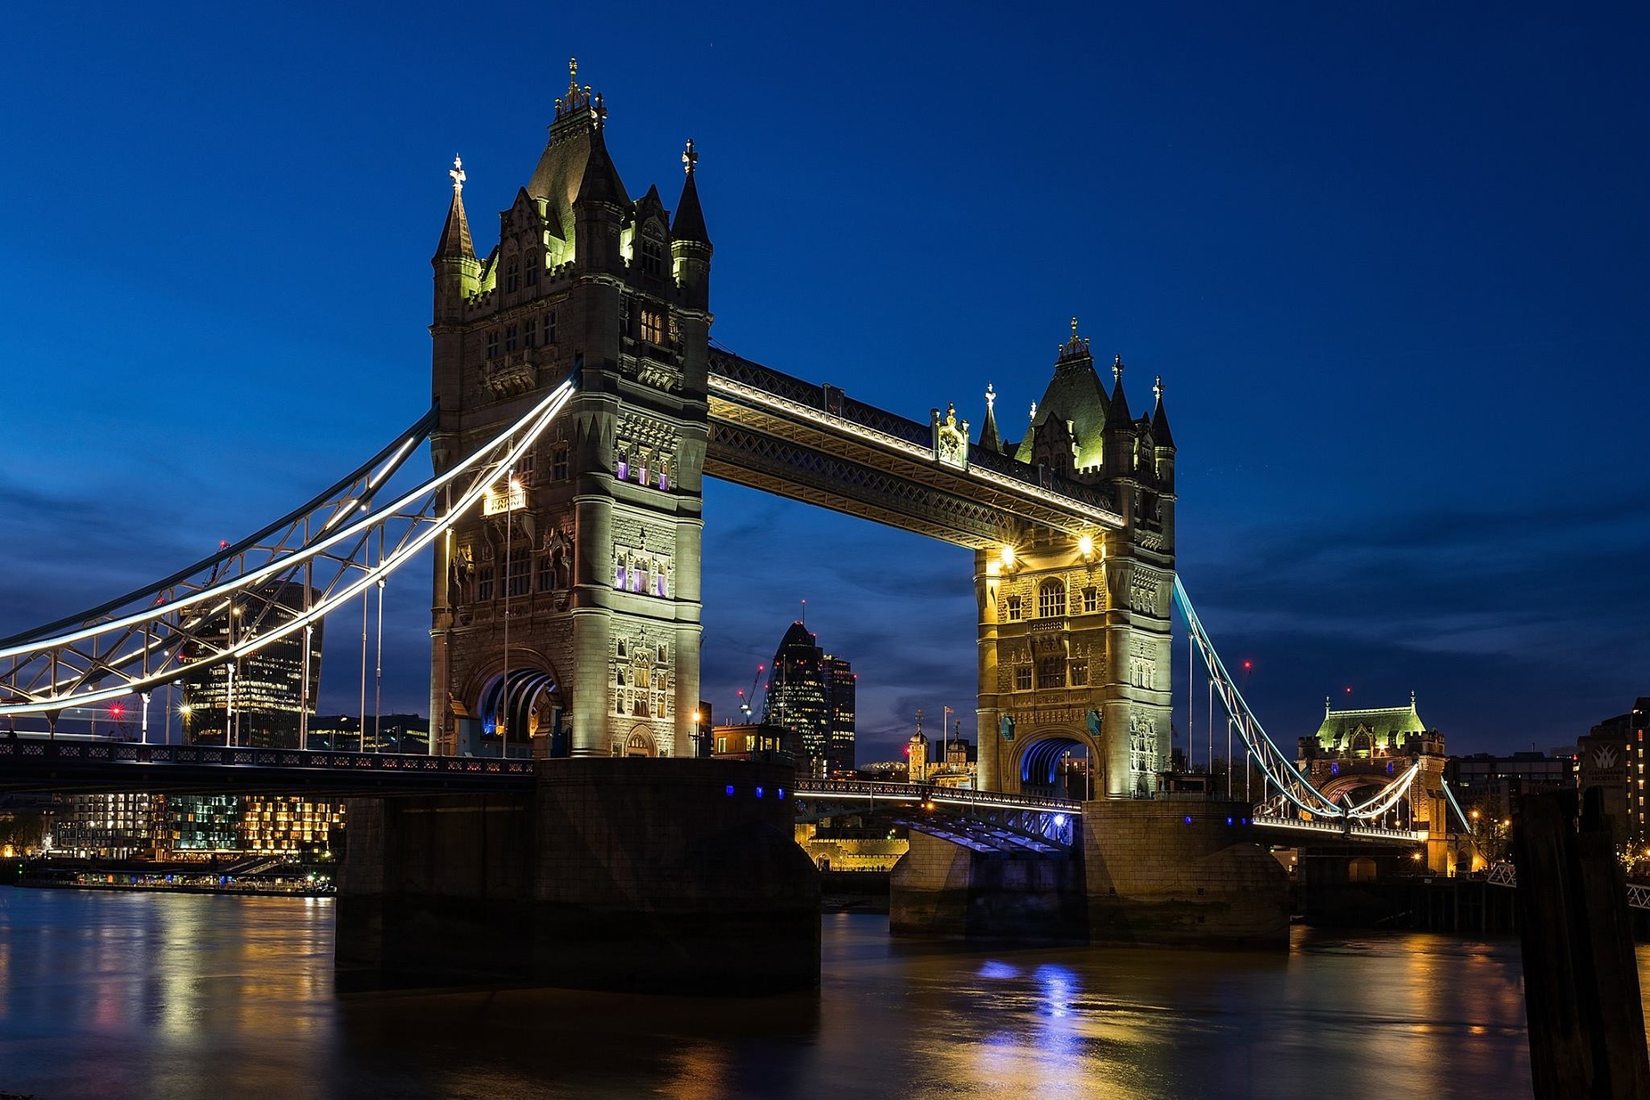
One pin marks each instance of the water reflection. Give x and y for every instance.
(110, 994)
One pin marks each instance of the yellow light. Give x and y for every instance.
(1085, 546)
(1007, 556)
(993, 568)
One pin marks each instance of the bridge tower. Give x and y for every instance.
(568, 611)
(1074, 633)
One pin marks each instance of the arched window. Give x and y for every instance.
(1051, 599)
(512, 274)
(1012, 608)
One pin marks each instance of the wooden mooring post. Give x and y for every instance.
(1581, 983)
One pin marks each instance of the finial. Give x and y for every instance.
(1034, 410)
(1157, 389)
(1074, 330)
(1412, 700)
(690, 157)
(457, 172)
(572, 74)
(1117, 369)
(990, 398)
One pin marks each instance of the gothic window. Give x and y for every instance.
(527, 464)
(664, 476)
(1011, 607)
(653, 325)
(492, 344)
(1091, 599)
(558, 563)
(520, 575)
(1022, 678)
(621, 649)
(1051, 672)
(618, 583)
(663, 653)
(558, 462)
(512, 275)
(527, 332)
(549, 328)
(547, 574)
(1079, 674)
(659, 585)
(484, 583)
(641, 471)
(637, 577)
(1051, 599)
(509, 339)
(621, 467)
(531, 264)
(653, 257)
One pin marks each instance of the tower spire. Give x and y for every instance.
(989, 437)
(456, 242)
(1160, 419)
(690, 218)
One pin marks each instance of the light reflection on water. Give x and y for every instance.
(146, 995)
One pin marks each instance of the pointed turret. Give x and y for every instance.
(601, 182)
(1075, 396)
(1160, 419)
(690, 219)
(690, 247)
(989, 439)
(1119, 413)
(457, 271)
(456, 242)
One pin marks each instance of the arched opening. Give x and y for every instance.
(513, 711)
(640, 742)
(1058, 767)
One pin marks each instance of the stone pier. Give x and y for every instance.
(1163, 872)
(624, 874)
(1181, 872)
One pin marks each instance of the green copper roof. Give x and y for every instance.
(1385, 723)
(1073, 395)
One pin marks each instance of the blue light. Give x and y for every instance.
(728, 790)
(759, 792)
(1188, 819)
(1059, 821)
(782, 793)
(1228, 821)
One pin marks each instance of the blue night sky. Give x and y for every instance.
(1392, 263)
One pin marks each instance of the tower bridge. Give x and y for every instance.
(577, 406)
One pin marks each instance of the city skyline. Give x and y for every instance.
(1336, 320)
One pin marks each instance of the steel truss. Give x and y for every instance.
(224, 608)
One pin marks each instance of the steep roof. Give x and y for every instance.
(989, 438)
(456, 242)
(1073, 394)
(1119, 399)
(1160, 419)
(1339, 726)
(690, 219)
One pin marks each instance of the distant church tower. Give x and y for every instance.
(567, 611)
(1074, 636)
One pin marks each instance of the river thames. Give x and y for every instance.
(108, 994)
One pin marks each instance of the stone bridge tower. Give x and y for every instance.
(566, 614)
(1074, 634)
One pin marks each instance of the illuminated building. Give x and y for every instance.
(841, 686)
(749, 740)
(200, 823)
(796, 695)
(916, 755)
(289, 826)
(1611, 759)
(256, 700)
(105, 826)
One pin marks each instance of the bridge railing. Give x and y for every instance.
(130, 752)
(1314, 825)
(917, 792)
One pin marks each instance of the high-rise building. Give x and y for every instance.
(811, 693)
(796, 695)
(256, 700)
(840, 688)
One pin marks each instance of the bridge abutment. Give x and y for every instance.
(614, 874)
(942, 888)
(1173, 872)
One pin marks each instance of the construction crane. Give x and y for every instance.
(748, 699)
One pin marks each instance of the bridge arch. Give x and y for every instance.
(1036, 763)
(525, 706)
